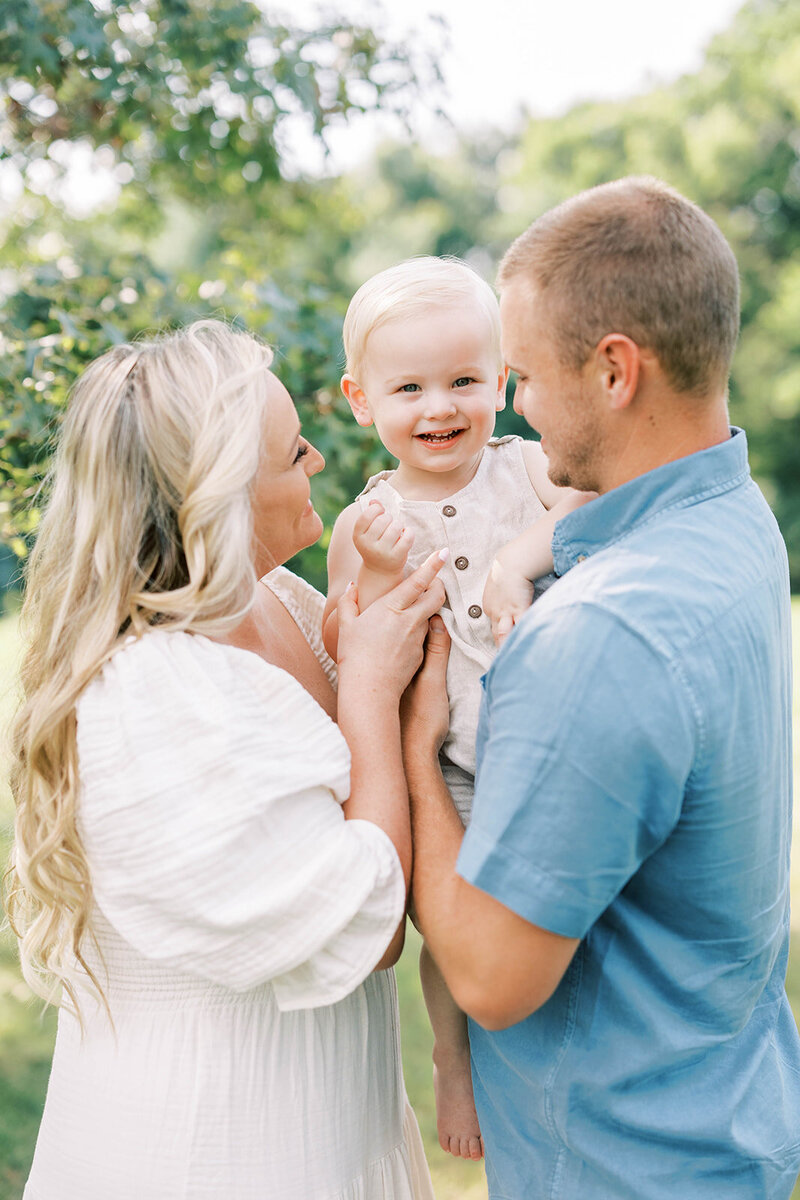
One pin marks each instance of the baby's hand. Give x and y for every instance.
(381, 541)
(507, 595)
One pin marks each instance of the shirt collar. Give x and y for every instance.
(673, 485)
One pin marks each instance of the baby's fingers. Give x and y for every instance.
(370, 511)
(502, 627)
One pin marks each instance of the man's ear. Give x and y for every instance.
(618, 360)
(502, 380)
(356, 399)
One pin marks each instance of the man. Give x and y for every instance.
(615, 919)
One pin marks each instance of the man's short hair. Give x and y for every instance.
(410, 289)
(635, 257)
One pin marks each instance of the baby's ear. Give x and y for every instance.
(502, 380)
(356, 399)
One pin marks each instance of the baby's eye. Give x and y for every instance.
(410, 387)
(463, 381)
(302, 451)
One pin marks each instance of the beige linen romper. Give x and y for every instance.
(497, 504)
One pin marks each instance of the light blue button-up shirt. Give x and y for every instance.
(634, 791)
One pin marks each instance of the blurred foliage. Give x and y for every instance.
(729, 138)
(183, 118)
(186, 118)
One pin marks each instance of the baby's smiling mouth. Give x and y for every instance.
(435, 439)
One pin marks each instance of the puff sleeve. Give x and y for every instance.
(210, 810)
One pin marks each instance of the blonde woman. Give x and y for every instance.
(209, 872)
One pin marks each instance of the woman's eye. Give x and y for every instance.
(463, 381)
(302, 451)
(410, 387)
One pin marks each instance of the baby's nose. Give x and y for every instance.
(440, 403)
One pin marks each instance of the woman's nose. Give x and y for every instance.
(314, 460)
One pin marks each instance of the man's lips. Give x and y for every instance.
(439, 437)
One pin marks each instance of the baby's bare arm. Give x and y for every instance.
(509, 587)
(383, 545)
(369, 547)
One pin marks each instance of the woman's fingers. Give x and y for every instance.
(347, 607)
(422, 587)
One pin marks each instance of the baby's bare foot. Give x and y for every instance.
(456, 1118)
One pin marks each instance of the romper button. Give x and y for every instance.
(462, 563)
(475, 610)
(581, 558)
(448, 510)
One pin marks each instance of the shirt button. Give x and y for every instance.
(462, 563)
(475, 611)
(448, 510)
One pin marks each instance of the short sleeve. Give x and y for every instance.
(210, 809)
(586, 755)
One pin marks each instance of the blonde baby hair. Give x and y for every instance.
(148, 524)
(408, 290)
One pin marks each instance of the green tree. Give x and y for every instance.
(728, 137)
(188, 112)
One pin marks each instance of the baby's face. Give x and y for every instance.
(432, 386)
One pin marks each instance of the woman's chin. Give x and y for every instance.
(312, 530)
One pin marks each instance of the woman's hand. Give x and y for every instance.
(425, 710)
(381, 648)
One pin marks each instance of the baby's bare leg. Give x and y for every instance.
(456, 1118)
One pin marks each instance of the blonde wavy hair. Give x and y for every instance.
(148, 523)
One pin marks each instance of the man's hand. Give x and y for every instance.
(381, 541)
(425, 710)
(507, 595)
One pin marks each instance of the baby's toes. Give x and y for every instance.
(475, 1149)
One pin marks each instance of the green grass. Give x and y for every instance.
(26, 1036)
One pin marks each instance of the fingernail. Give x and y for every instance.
(444, 554)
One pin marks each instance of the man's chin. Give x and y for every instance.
(559, 475)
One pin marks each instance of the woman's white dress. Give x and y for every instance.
(253, 1056)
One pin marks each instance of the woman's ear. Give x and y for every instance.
(502, 380)
(356, 399)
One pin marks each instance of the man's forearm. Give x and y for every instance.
(437, 834)
(499, 967)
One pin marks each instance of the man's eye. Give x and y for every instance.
(463, 381)
(302, 451)
(410, 387)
